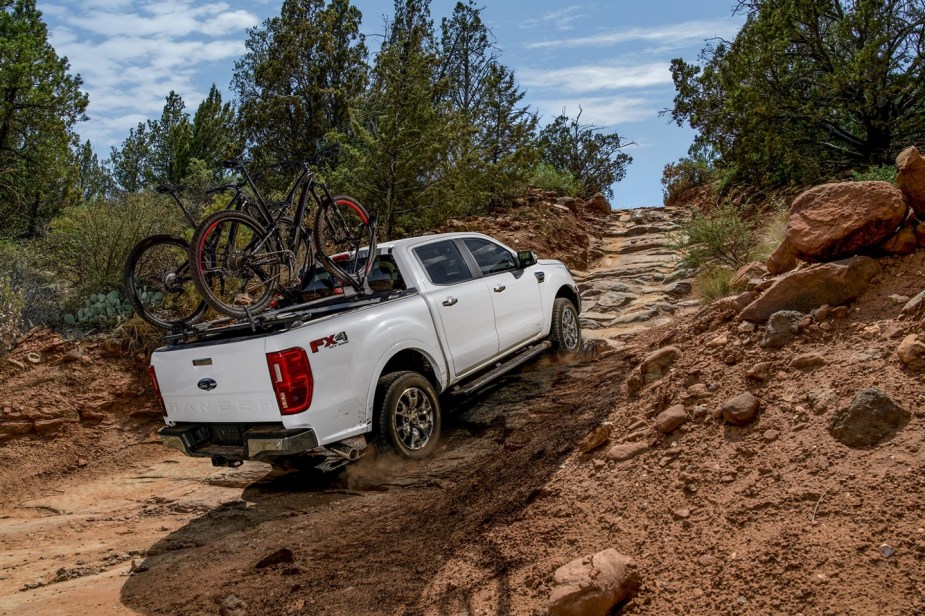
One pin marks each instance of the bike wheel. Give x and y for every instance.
(235, 263)
(345, 240)
(158, 282)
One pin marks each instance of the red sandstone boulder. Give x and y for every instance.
(911, 178)
(832, 221)
(782, 260)
(598, 205)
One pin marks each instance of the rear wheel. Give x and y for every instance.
(345, 240)
(236, 265)
(159, 283)
(409, 415)
(566, 330)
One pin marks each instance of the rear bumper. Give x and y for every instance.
(234, 442)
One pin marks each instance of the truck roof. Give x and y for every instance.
(418, 239)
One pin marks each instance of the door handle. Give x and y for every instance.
(500, 288)
(450, 301)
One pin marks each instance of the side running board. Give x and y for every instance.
(502, 368)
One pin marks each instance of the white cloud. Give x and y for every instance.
(562, 19)
(669, 36)
(131, 54)
(602, 111)
(593, 78)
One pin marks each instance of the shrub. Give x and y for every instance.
(713, 283)
(27, 295)
(770, 233)
(723, 236)
(883, 173)
(87, 245)
(686, 174)
(547, 177)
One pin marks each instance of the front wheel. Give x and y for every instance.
(235, 263)
(409, 415)
(565, 334)
(158, 282)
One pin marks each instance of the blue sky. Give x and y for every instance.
(610, 59)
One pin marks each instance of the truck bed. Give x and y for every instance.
(271, 321)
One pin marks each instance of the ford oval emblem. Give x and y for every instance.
(207, 384)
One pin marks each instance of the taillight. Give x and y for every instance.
(157, 390)
(292, 380)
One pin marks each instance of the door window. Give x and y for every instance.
(491, 257)
(443, 262)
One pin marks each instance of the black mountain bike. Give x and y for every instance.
(243, 262)
(157, 277)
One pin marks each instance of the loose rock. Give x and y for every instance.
(625, 451)
(808, 361)
(910, 178)
(232, 606)
(872, 417)
(740, 410)
(657, 364)
(593, 585)
(760, 372)
(670, 419)
(911, 352)
(783, 327)
(597, 437)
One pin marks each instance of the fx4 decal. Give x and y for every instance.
(329, 342)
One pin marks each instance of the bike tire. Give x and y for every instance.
(342, 228)
(157, 270)
(236, 273)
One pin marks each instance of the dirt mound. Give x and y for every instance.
(66, 405)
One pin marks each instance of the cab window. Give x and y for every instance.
(491, 257)
(443, 263)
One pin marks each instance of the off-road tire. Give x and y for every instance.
(408, 415)
(565, 334)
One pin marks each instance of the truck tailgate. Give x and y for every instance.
(217, 382)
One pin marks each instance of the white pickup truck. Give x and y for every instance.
(449, 313)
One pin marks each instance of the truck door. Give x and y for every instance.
(514, 292)
(461, 303)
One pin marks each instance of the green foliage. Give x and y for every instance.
(594, 158)
(87, 245)
(27, 294)
(686, 174)
(770, 232)
(106, 310)
(722, 236)
(398, 150)
(40, 102)
(495, 148)
(808, 88)
(547, 177)
(297, 79)
(880, 173)
(713, 283)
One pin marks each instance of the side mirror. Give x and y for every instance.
(526, 258)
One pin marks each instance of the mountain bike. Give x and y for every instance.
(157, 277)
(242, 262)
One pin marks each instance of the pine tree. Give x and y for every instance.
(494, 139)
(131, 164)
(40, 103)
(214, 134)
(398, 161)
(95, 183)
(171, 137)
(297, 79)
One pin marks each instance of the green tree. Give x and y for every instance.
(131, 163)
(593, 158)
(171, 137)
(297, 79)
(40, 103)
(214, 134)
(494, 139)
(808, 88)
(398, 158)
(95, 183)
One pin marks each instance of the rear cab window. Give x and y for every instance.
(443, 263)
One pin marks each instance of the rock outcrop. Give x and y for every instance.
(833, 221)
(593, 585)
